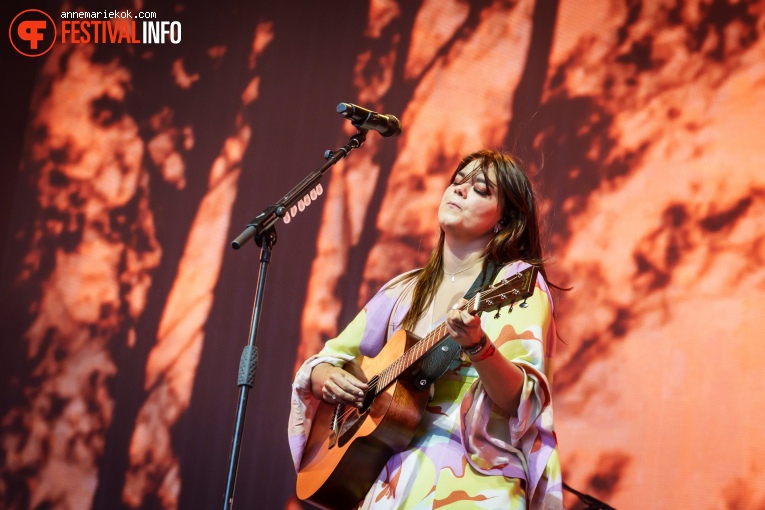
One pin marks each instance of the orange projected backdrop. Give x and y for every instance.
(125, 311)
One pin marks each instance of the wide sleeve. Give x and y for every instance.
(303, 404)
(524, 445)
(364, 336)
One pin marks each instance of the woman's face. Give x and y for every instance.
(470, 206)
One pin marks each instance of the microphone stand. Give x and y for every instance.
(263, 231)
(592, 503)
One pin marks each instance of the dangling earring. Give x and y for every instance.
(500, 225)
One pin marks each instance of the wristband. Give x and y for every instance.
(486, 354)
(476, 348)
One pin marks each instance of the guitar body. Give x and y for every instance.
(341, 463)
(348, 447)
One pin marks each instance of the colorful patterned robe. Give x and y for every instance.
(466, 453)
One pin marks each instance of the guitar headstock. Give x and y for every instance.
(512, 288)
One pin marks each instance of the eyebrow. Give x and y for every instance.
(478, 175)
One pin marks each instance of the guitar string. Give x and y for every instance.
(387, 375)
(438, 334)
(393, 368)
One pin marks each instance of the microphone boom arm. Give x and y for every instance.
(271, 214)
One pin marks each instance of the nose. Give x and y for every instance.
(460, 189)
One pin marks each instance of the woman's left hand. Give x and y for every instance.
(463, 327)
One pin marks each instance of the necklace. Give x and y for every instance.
(461, 270)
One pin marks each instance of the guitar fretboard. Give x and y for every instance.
(413, 354)
(513, 286)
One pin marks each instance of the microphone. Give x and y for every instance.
(386, 125)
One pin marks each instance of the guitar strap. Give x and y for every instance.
(436, 362)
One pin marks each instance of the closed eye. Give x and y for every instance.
(478, 180)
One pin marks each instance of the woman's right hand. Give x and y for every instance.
(336, 385)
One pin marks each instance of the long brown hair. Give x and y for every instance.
(519, 238)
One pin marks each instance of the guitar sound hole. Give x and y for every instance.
(369, 397)
(350, 419)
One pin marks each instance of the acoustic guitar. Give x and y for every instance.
(347, 446)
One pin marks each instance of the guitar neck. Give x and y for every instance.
(415, 353)
(517, 285)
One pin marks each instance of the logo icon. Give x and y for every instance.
(32, 33)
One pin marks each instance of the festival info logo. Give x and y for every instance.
(32, 33)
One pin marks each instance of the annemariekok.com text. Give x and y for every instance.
(106, 14)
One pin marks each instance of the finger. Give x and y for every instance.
(460, 320)
(343, 394)
(468, 319)
(340, 374)
(329, 396)
(451, 328)
(345, 382)
(453, 316)
(456, 330)
(355, 381)
(334, 396)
